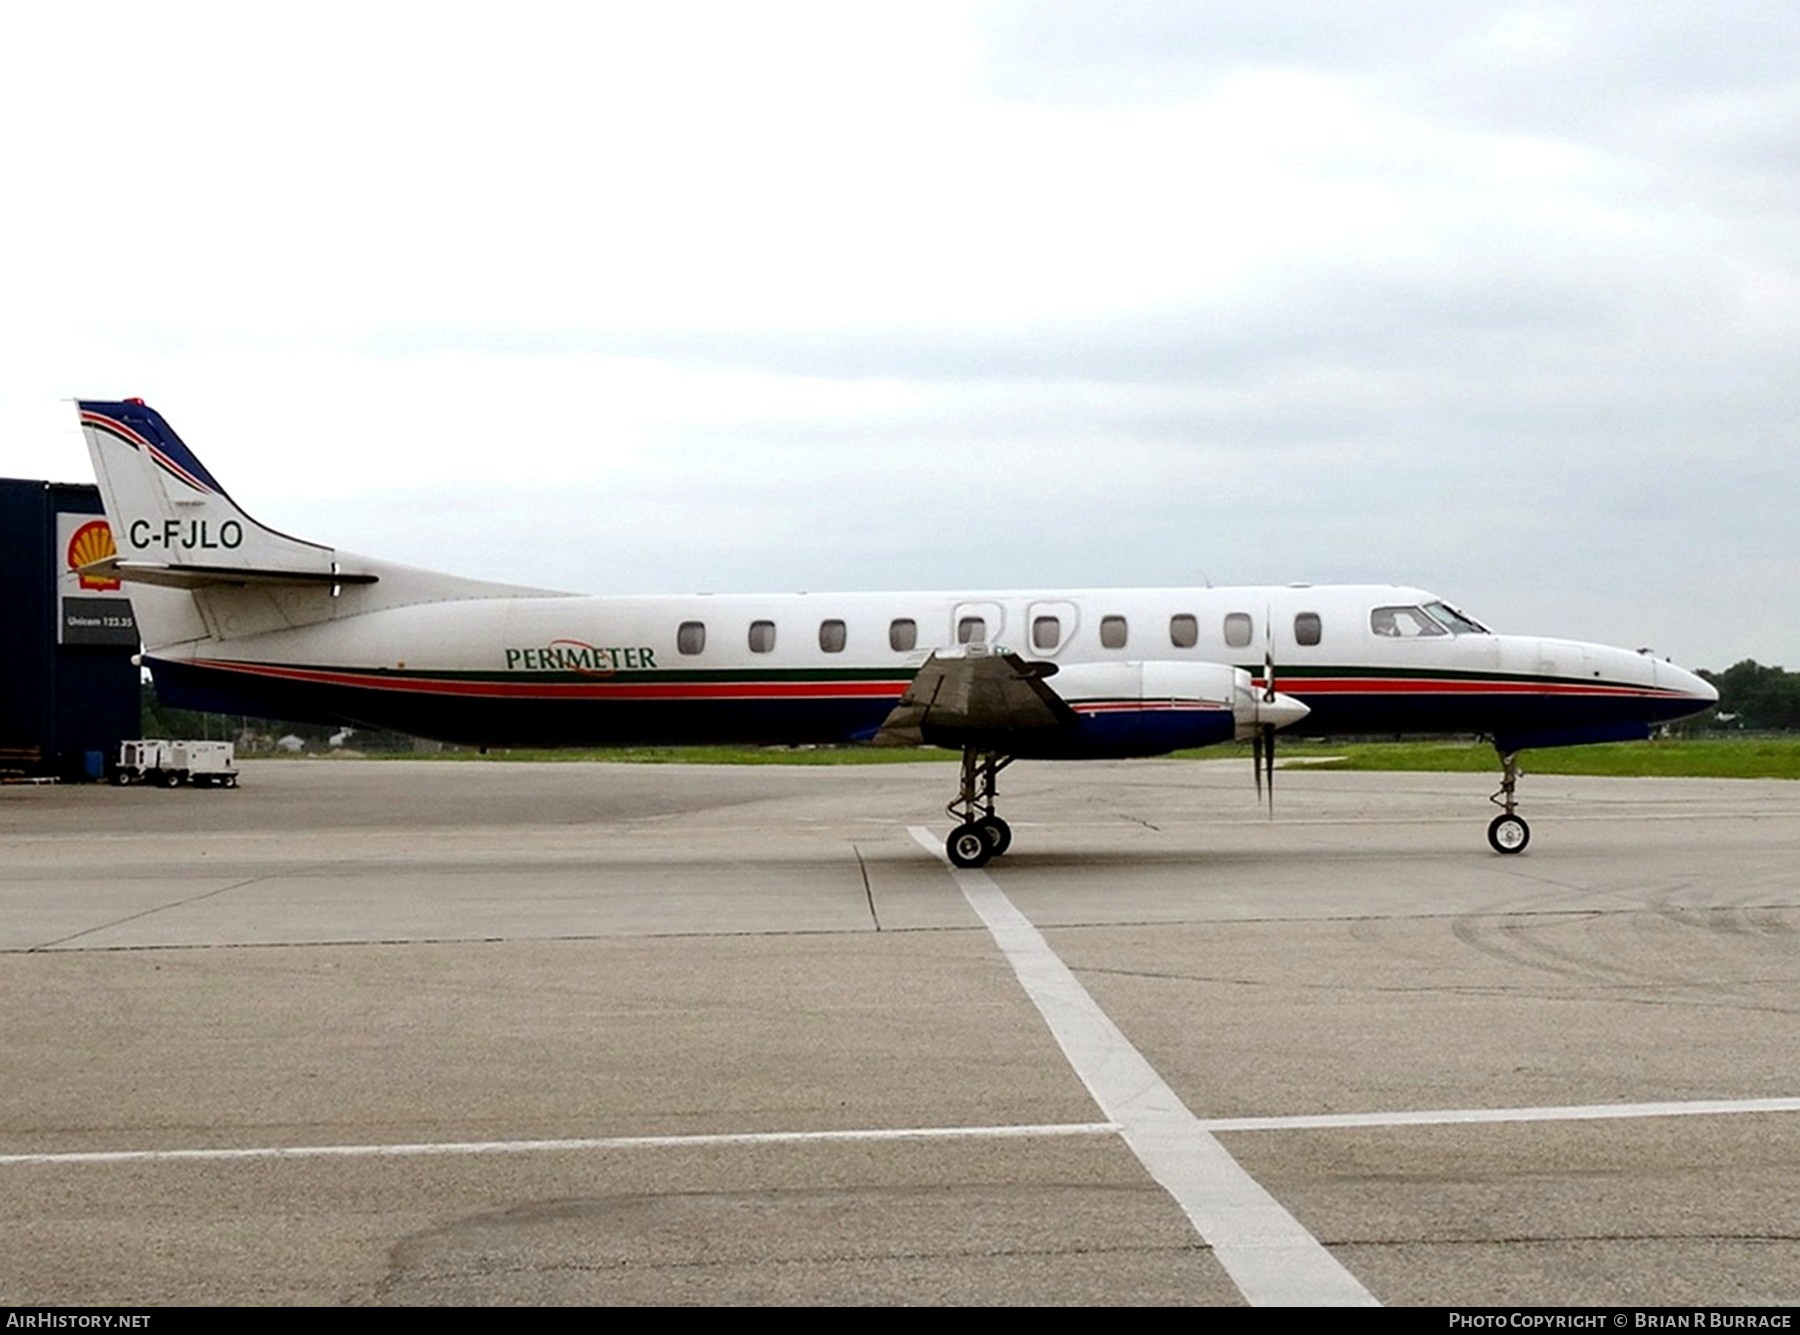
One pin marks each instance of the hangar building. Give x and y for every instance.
(68, 687)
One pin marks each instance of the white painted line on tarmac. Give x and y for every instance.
(1272, 1259)
(1574, 1112)
(1300, 1122)
(554, 1146)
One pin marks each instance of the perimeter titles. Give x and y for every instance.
(592, 660)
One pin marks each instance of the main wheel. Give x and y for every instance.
(998, 833)
(968, 846)
(1509, 834)
(170, 778)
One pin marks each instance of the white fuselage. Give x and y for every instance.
(813, 667)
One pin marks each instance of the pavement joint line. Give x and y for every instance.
(155, 909)
(430, 1148)
(1267, 1252)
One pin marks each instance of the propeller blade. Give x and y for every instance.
(1256, 762)
(1268, 656)
(1268, 757)
(1265, 735)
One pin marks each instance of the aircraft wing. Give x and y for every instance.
(972, 692)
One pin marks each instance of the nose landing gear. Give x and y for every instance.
(1508, 832)
(980, 835)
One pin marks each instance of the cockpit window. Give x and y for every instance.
(1403, 623)
(1459, 623)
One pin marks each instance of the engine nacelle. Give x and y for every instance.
(1151, 707)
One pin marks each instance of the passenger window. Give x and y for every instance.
(1112, 632)
(971, 630)
(903, 634)
(762, 637)
(1307, 628)
(1184, 631)
(690, 638)
(1238, 629)
(1046, 633)
(831, 636)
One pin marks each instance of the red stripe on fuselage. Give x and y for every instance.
(1140, 706)
(584, 690)
(1301, 687)
(615, 689)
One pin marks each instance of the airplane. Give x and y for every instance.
(238, 618)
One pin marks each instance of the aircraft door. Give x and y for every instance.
(1048, 627)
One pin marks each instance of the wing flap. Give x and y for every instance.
(960, 697)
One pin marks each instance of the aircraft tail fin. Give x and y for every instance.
(202, 569)
(173, 524)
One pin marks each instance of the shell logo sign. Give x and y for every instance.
(93, 541)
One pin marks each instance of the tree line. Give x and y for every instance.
(253, 734)
(1752, 696)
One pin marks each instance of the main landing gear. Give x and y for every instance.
(980, 835)
(1508, 832)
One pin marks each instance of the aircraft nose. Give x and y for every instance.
(1696, 688)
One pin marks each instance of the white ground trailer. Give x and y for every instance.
(172, 763)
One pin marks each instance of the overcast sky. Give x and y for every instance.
(1498, 299)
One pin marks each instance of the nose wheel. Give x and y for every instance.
(1508, 832)
(980, 836)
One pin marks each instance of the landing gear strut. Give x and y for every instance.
(1508, 832)
(980, 835)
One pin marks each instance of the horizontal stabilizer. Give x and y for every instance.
(218, 577)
